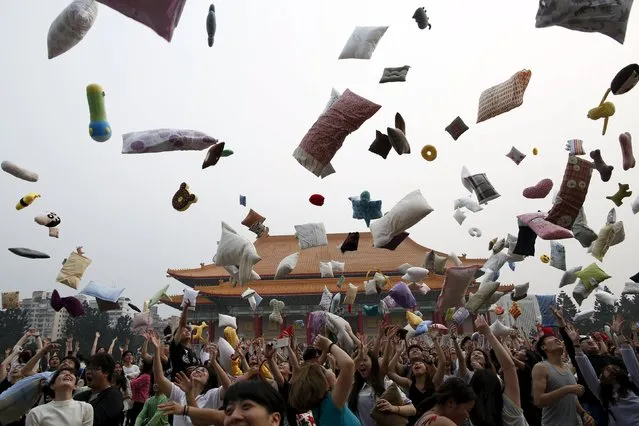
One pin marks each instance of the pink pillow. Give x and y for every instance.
(162, 16)
(456, 282)
(317, 321)
(327, 135)
(545, 230)
(402, 295)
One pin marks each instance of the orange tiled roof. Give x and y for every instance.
(274, 248)
(177, 300)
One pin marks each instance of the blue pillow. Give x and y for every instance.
(101, 292)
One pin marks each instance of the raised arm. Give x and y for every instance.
(347, 370)
(207, 416)
(392, 367)
(438, 378)
(588, 373)
(463, 368)
(164, 384)
(627, 352)
(94, 348)
(292, 360)
(144, 353)
(511, 381)
(225, 382)
(183, 319)
(110, 351)
(4, 367)
(29, 368)
(269, 353)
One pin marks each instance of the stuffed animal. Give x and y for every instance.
(605, 110)
(99, 127)
(211, 24)
(316, 200)
(364, 208)
(421, 18)
(27, 200)
(276, 314)
(625, 140)
(544, 258)
(183, 199)
(50, 220)
(622, 193)
(198, 329)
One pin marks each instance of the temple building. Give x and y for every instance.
(301, 291)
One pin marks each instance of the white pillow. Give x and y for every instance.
(459, 216)
(70, 26)
(635, 206)
(334, 97)
(234, 272)
(311, 235)
(469, 203)
(337, 266)
(520, 291)
(419, 288)
(248, 293)
(338, 326)
(227, 321)
(499, 329)
(455, 259)
(406, 213)
(276, 314)
(631, 288)
(495, 262)
(585, 314)
(415, 274)
(326, 270)
(327, 297)
(190, 295)
(605, 298)
(403, 268)
(286, 266)
(337, 298)
(479, 299)
(569, 276)
(370, 287)
(362, 42)
(225, 351)
(234, 249)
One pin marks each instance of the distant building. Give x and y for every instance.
(42, 317)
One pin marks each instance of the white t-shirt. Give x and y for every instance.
(211, 399)
(55, 413)
(131, 372)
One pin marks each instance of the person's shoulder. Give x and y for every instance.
(83, 396)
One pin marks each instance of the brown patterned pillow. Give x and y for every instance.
(393, 396)
(504, 96)
(252, 218)
(11, 300)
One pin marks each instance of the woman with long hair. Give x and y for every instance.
(450, 406)
(140, 390)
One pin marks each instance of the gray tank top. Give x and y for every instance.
(564, 411)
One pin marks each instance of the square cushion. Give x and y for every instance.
(234, 249)
(70, 26)
(482, 187)
(311, 235)
(456, 128)
(11, 300)
(234, 272)
(516, 155)
(396, 241)
(504, 96)
(338, 326)
(165, 140)
(326, 136)
(190, 296)
(370, 287)
(253, 217)
(572, 192)
(415, 274)
(141, 321)
(608, 17)
(351, 243)
(392, 75)
(337, 266)
(362, 42)
(226, 321)
(440, 264)
(351, 294)
(326, 270)
(592, 275)
(394, 397)
(569, 276)
(608, 235)
(162, 16)
(557, 255)
(479, 299)
(381, 145)
(73, 270)
(286, 265)
(102, 292)
(546, 302)
(398, 141)
(406, 213)
(327, 297)
(456, 282)
(582, 291)
(106, 306)
(213, 155)
(402, 295)
(155, 299)
(520, 292)
(629, 288)
(544, 229)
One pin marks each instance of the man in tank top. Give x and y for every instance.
(555, 388)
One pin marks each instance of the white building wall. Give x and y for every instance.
(41, 315)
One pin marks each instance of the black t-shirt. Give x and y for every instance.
(181, 357)
(108, 406)
(291, 414)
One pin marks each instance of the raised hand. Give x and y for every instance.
(171, 408)
(97, 334)
(270, 350)
(183, 382)
(482, 325)
(617, 324)
(573, 333)
(213, 351)
(153, 339)
(322, 343)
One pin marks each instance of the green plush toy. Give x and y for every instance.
(99, 127)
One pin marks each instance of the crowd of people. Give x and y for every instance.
(559, 378)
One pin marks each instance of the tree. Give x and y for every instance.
(13, 325)
(603, 314)
(83, 329)
(568, 306)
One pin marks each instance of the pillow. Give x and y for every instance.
(504, 96)
(231, 336)
(29, 253)
(414, 274)
(351, 294)
(394, 397)
(500, 330)
(106, 306)
(164, 140)
(102, 292)
(413, 319)
(608, 17)
(73, 270)
(387, 304)
(226, 351)
(495, 262)
(479, 299)
(456, 128)
(332, 99)
(234, 272)
(326, 136)
(605, 298)
(255, 223)
(585, 314)
(50, 220)
(11, 299)
(635, 206)
(575, 147)
(370, 288)
(338, 327)
(516, 155)
(141, 321)
(18, 399)
(286, 265)
(546, 302)
(381, 145)
(190, 295)
(326, 270)
(70, 27)
(569, 276)
(362, 42)
(243, 200)
(396, 241)
(629, 288)
(582, 232)
(455, 259)
(456, 282)
(459, 216)
(572, 192)
(392, 75)
(460, 315)
(557, 255)
(234, 249)
(327, 297)
(403, 268)
(520, 292)
(316, 323)
(406, 213)
(582, 291)
(351, 243)
(540, 190)
(337, 266)
(482, 187)
(544, 228)
(226, 321)
(335, 302)
(73, 306)
(464, 175)
(608, 235)
(213, 155)
(162, 16)
(398, 141)
(440, 264)
(311, 235)
(469, 203)
(402, 295)
(592, 276)
(277, 307)
(19, 172)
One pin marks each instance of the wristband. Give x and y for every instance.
(184, 410)
(187, 410)
(329, 348)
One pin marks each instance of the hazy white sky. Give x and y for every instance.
(260, 88)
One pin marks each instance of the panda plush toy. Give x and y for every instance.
(50, 220)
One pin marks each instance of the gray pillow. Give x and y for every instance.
(392, 75)
(31, 254)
